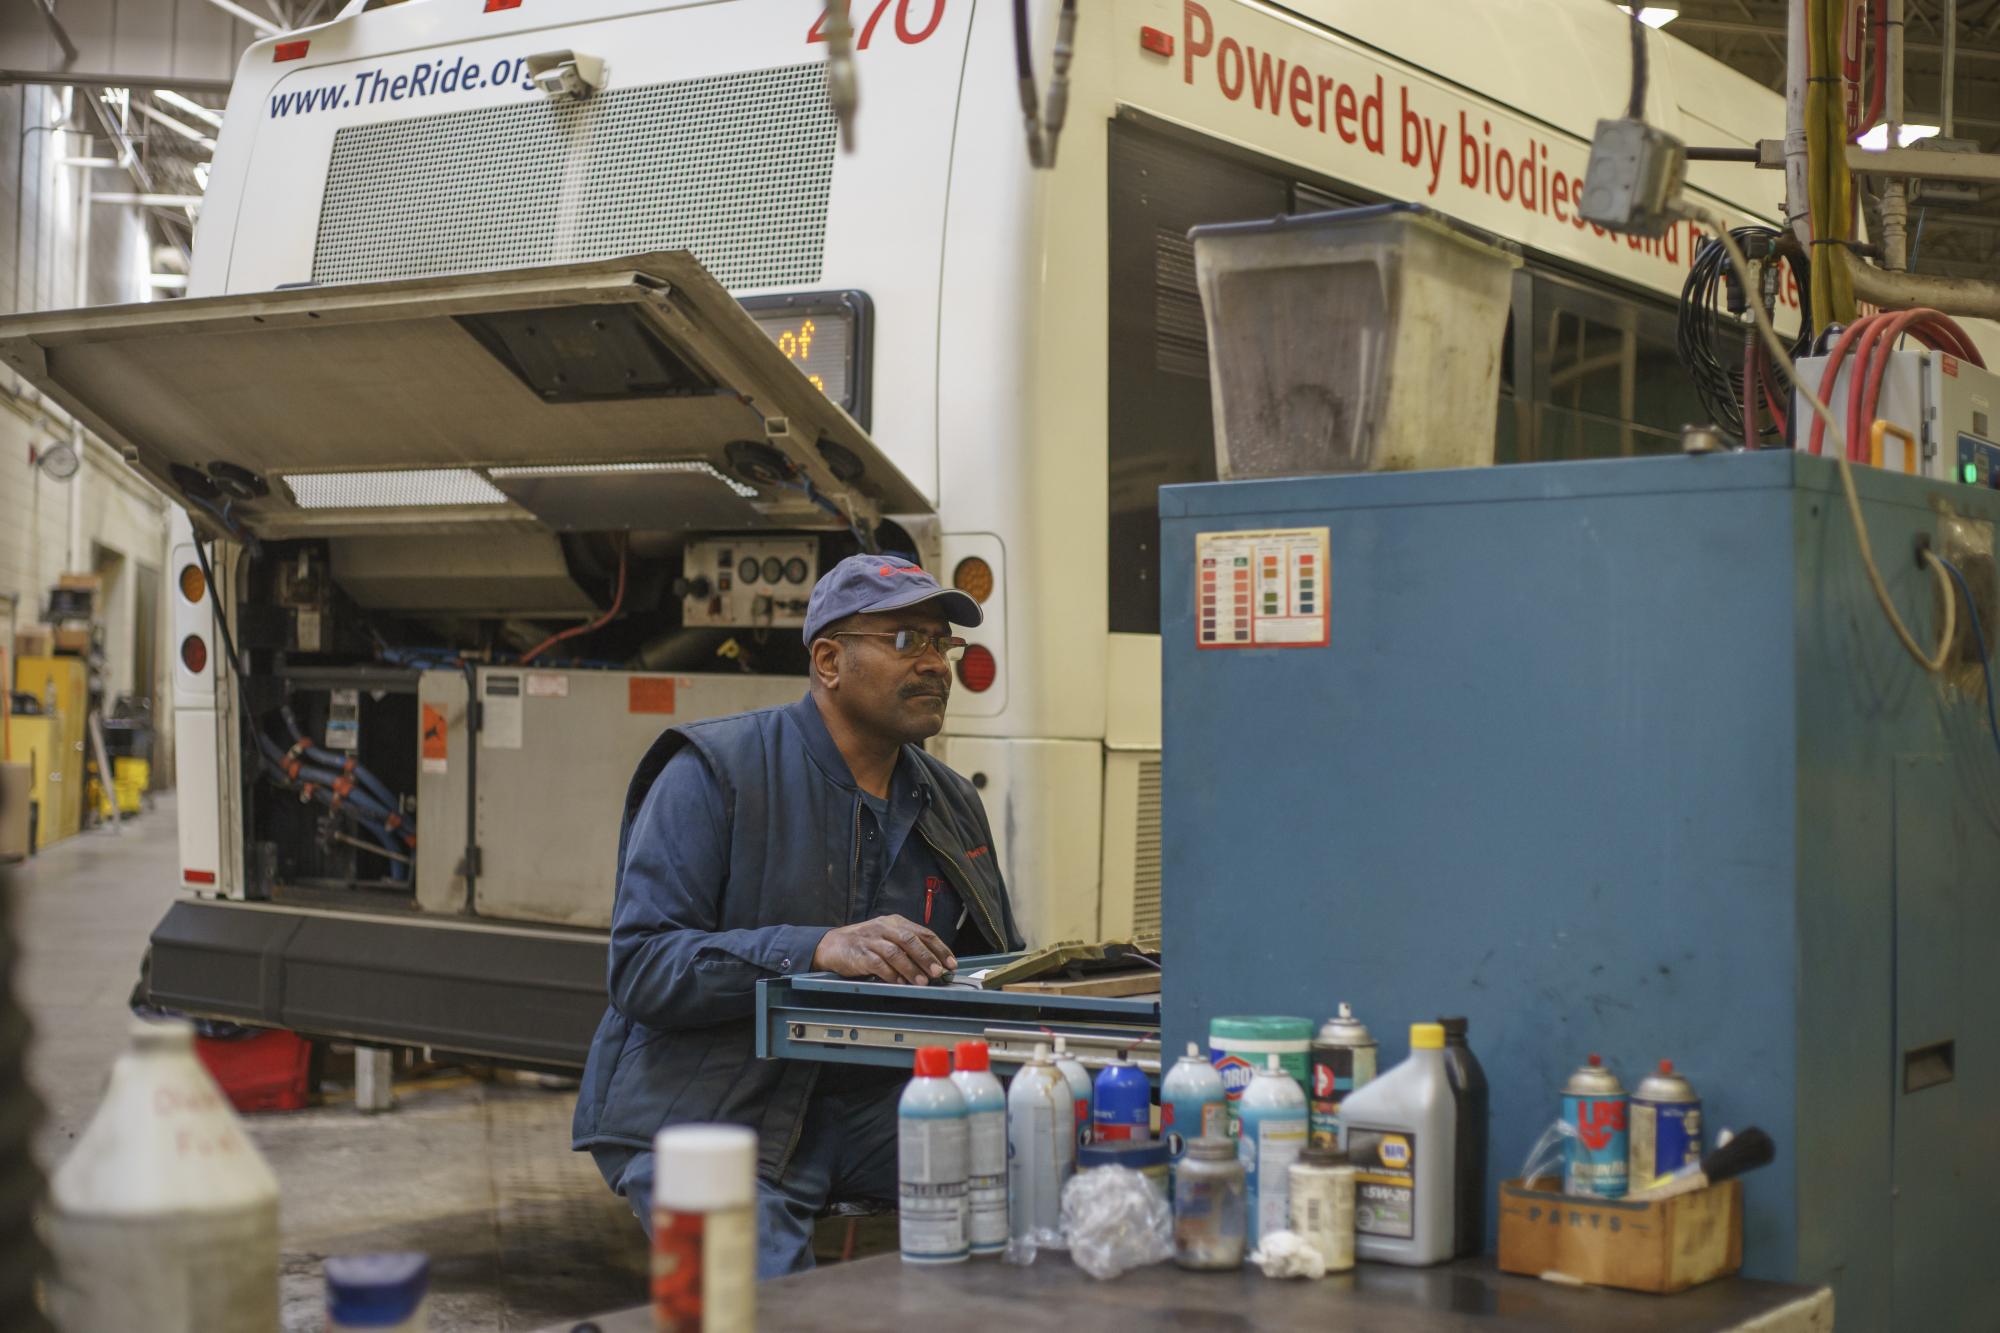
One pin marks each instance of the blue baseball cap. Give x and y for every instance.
(881, 583)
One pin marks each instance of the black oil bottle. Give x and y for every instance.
(1468, 1089)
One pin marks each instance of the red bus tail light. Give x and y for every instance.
(194, 654)
(978, 669)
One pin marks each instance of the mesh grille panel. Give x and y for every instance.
(1146, 858)
(735, 168)
(413, 488)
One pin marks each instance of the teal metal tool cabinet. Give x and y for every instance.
(1616, 757)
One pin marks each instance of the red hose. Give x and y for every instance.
(1853, 37)
(1878, 89)
(1749, 395)
(1833, 360)
(1872, 338)
(599, 623)
(1773, 394)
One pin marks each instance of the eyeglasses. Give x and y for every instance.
(912, 642)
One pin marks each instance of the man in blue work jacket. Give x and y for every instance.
(814, 837)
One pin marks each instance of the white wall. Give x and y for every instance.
(47, 527)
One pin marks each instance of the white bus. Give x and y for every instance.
(460, 368)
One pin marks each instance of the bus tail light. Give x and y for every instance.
(974, 578)
(194, 654)
(284, 51)
(197, 877)
(193, 585)
(978, 669)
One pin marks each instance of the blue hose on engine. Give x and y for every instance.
(376, 787)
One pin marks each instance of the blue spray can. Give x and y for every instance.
(1666, 1125)
(1597, 1155)
(1273, 1121)
(1193, 1103)
(1122, 1106)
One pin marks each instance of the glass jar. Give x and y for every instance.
(1210, 1202)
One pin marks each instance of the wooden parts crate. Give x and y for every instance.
(1664, 1246)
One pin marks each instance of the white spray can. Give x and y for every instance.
(1078, 1079)
(1273, 1117)
(1041, 1148)
(933, 1152)
(986, 1125)
(166, 1215)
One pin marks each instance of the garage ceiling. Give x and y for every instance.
(1959, 239)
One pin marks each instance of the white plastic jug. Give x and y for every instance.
(166, 1215)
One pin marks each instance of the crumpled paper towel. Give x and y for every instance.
(1288, 1254)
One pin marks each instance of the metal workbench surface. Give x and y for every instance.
(885, 1293)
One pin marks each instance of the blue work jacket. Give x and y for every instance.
(678, 1041)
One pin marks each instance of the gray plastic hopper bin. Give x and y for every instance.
(1362, 340)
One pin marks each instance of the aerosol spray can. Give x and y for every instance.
(1041, 1146)
(986, 1133)
(1193, 1103)
(1343, 1059)
(932, 1154)
(1272, 1116)
(1597, 1156)
(1666, 1125)
(705, 1229)
(1122, 1106)
(1078, 1078)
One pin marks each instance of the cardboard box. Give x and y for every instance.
(76, 640)
(1664, 1246)
(90, 583)
(34, 641)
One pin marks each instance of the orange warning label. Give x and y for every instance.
(434, 733)
(650, 694)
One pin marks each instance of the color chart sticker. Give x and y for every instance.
(1264, 589)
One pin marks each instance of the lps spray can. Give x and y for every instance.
(1041, 1147)
(986, 1135)
(933, 1152)
(1343, 1059)
(1597, 1156)
(1237, 1047)
(1666, 1125)
(1122, 1107)
(1192, 1103)
(1074, 1073)
(1272, 1118)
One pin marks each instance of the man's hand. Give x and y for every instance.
(888, 948)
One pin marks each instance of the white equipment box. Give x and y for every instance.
(1939, 415)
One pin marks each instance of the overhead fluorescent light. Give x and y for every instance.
(201, 174)
(189, 105)
(1878, 138)
(179, 127)
(1654, 16)
(175, 282)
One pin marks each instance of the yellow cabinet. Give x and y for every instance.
(67, 679)
(55, 781)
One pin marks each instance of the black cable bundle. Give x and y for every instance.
(1712, 346)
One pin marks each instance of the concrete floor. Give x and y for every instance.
(476, 1173)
